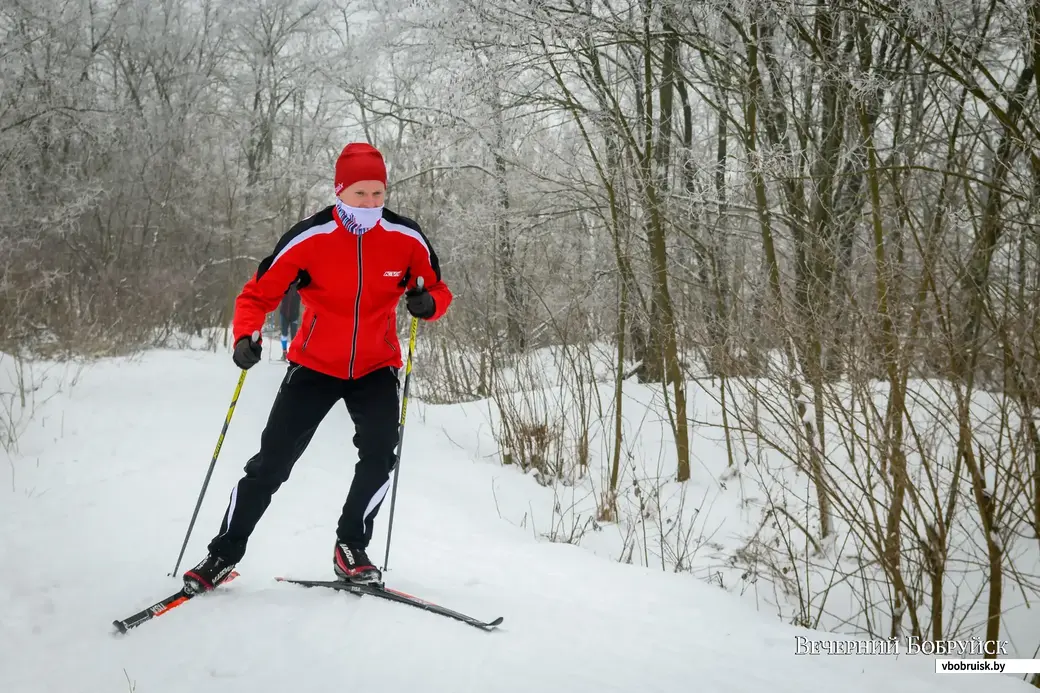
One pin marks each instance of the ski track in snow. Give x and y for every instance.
(104, 486)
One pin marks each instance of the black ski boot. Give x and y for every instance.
(352, 564)
(212, 571)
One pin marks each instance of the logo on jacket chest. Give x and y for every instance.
(393, 273)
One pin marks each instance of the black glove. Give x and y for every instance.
(247, 353)
(420, 303)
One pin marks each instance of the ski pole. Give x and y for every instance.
(400, 429)
(213, 462)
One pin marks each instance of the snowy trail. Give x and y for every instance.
(104, 486)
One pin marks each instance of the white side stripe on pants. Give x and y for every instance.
(376, 500)
(231, 508)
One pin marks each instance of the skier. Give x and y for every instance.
(352, 262)
(289, 314)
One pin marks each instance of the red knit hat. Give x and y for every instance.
(359, 161)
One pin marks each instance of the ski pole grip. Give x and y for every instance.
(419, 282)
(256, 336)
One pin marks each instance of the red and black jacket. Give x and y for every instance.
(349, 284)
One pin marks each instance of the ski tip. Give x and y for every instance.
(497, 621)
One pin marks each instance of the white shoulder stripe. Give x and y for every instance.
(327, 227)
(401, 228)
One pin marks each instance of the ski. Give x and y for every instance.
(162, 606)
(393, 595)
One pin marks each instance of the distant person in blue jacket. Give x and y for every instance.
(289, 313)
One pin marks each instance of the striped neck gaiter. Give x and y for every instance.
(358, 220)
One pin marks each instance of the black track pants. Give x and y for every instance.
(303, 400)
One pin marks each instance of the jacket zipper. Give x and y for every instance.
(357, 308)
(310, 333)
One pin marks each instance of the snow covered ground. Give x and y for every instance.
(102, 487)
(742, 526)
